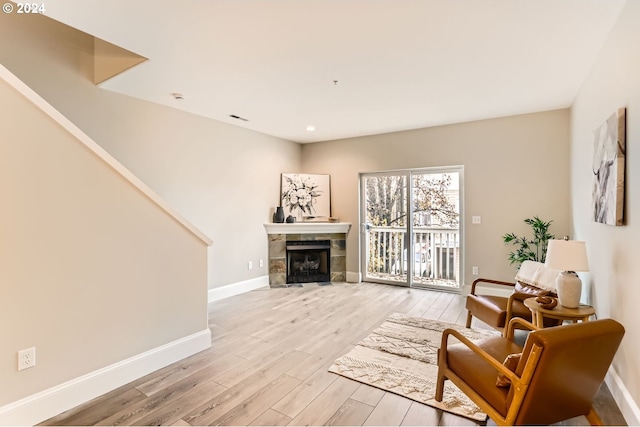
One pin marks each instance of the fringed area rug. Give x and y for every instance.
(401, 356)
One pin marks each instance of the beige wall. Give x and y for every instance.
(92, 271)
(613, 257)
(222, 178)
(514, 167)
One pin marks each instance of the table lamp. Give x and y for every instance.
(569, 256)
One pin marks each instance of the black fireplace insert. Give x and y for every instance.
(308, 261)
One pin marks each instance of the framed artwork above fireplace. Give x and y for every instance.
(306, 195)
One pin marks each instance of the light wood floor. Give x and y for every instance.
(268, 365)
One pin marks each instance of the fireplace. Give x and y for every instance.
(289, 240)
(308, 261)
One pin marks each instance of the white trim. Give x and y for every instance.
(307, 227)
(354, 277)
(623, 398)
(43, 405)
(83, 138)
(227, 291)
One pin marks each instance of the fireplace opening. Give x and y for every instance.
(308, 261)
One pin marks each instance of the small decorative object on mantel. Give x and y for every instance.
(291, 219)
(315, 219)
(278, 216)
(609, 149)
(306, 195)
(320, 219)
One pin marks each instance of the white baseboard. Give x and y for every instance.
(354, 277)
(227, 291)
(621, 395)
(55, 400)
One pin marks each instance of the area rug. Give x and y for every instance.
(401, 357)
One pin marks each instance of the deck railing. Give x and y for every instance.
(436, 252)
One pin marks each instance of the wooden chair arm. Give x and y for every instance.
(497, 364)
(491, 281)
(520, 296)
(511, 327)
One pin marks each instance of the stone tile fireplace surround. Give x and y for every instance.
(279, 234)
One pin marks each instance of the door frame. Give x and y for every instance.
(363, 229)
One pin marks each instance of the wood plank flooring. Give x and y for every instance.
(271, 349)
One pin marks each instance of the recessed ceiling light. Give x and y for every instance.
(235, 116)
(178, 96)
(311, 128)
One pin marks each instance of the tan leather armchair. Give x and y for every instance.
(533, 279)
(558, 375)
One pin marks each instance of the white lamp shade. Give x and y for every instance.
(567, 255)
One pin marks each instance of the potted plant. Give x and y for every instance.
(530, 249)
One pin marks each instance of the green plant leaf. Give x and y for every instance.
(535, 249)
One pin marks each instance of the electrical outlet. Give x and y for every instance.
(26, 358)
(250, 265)
(474, 270)
(261, 263)
(476, 219)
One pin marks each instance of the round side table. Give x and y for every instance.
(583, 312)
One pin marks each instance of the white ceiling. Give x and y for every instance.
(399, 64)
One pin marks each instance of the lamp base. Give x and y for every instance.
(569, 287)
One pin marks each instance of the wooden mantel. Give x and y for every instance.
(307, 227)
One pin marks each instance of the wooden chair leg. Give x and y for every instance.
(439, 387)
(594, 418)
(468, 319)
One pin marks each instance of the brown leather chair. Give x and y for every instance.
(497, 311)
(558, 376)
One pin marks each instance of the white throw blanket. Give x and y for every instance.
(537, 274)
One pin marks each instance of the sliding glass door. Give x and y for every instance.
(385, 208)
(411, 227)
